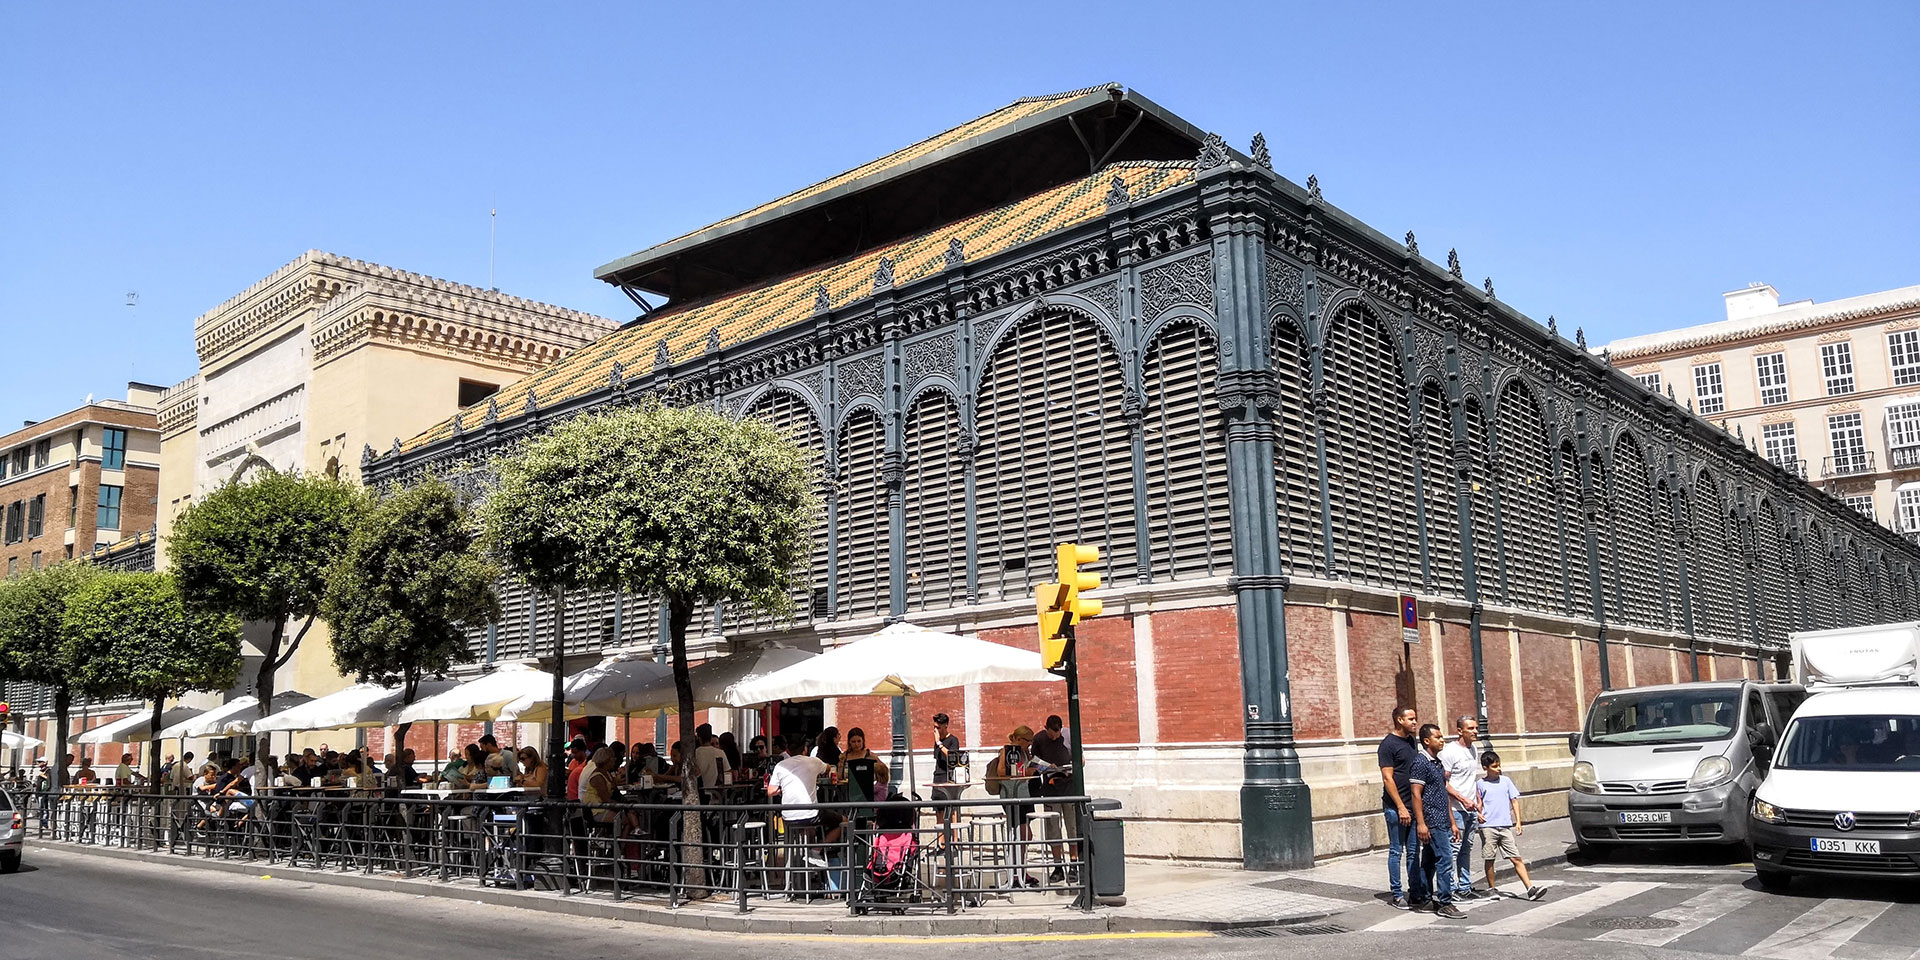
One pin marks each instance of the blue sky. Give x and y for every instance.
(1619, 165)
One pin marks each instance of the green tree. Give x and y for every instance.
(260, 550)
(32, 646)
(132, 635)
(410, 579)
(683, 504)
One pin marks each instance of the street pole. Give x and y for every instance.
(1076, 781)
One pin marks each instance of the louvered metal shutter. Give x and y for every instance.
(1189, 517)
(1055, 461)
(936, 504)
(1603, 527)
(862, 564)
(1436, 475)
(1296, 461)
(1713, 596)
(1574, 522)
(1666, 533)
(791, 416)
(1823, 588)
(1526, 499)
(1857, 599)
(1770, 554)
(1639, 560)
(1480, 499)
(1370, 455)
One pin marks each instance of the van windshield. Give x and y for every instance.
(1852, 743)
(1664, 716)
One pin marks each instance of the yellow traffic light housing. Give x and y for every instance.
(1068, 558)
(1049, 600)
(1059, 605)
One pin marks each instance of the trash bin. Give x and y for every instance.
(1108, 837)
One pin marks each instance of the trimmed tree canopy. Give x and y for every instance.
(409, 580)
(261, 548)
(658, 501)
(32, 608)
(131, 635)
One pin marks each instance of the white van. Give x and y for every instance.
(1843, 794)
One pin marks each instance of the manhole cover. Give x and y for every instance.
(1288, 930)
(1632, 923)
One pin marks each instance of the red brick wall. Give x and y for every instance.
(1386, 672)
(1196, 656)
(1456, 654)
(1651, 666)
(1497, 650)
(1546, 676)
(1312, 673)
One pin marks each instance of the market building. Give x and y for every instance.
(1082, 318)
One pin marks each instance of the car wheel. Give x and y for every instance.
(1775, 881)
(9, 862)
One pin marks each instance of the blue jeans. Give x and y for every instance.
(1437, 865)
(1403, 845)
(1466, 823)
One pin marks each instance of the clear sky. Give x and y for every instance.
(1619, 165)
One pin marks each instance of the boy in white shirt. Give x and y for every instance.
(1500, 823)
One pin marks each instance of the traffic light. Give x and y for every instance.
(1059, 605)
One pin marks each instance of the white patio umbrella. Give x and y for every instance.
(481, 698)
(361, 705)
(901, 660)
(17, 741)
(233, 718)
(135, 727)
(602, 690)
(714, 681)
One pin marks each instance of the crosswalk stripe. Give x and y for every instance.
(1406, 921)
(1816, 934)
(1555, 912)
(1691, 916)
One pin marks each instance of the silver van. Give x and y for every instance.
(1675, 763)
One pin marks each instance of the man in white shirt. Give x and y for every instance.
(1462, 764)
(710, 763)
(795, 781)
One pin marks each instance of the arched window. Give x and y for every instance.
(1482, 501)
(1578, 571)
(1670, 517)
(1603, 528)
(1527, 502)
(1189, 515)
(794, 419)
(1437, 493)
(1370, 455)
(861, 563)
(1775, 574)
(1055, 461)
(936, 504)
(1823, 586)
(1296, 459)
(1639, 561)
(1714, 602)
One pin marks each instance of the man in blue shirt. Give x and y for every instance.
(1398, 754)
(1432, 804)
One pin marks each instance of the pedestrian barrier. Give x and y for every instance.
(895, 856)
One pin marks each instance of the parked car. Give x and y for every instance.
(1676, 763)
(1843, 797)
(13, 833)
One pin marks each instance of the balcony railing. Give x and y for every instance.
(1847, 464)
(1793, 465)
(1904, 457)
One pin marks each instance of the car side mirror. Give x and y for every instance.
(1573, 743)
(1763, 736)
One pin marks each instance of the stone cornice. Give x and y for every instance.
(180, 407)
(1769, 331)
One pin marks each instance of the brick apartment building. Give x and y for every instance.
(84, 479)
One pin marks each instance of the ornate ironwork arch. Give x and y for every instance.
(1078, 307)
(798, 389)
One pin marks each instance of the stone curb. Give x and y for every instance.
(698, 919)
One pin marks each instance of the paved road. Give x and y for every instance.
(69, 906)
(1687, 900)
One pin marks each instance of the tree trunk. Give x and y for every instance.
(557, 723)
(263, 688)
(153, 746)
(62, 706)
(679, 615)
(409, 690)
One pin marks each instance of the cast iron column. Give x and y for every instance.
(1589, 513)
(893, 477)
(1463, 504)
(1276, 811)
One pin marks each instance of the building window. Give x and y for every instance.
(13, 566)
(1709, 393)
(1772, 369)
(113, 449)
(1649, 380)
(36, 516)
(42, 452)
(1907, 507)
(1903, 350)
(36, 559)
(108, 517)
(473, 391)
(1781, 445)
(1862, 502)
(69, 551)
(4, 462)
(1836, 364)
(20, 462)
(73, 506)
(1848, 442)
(16, 521)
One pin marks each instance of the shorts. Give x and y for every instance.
(1499, 842)
(947, 793)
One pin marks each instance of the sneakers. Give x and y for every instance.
(1449, 912)
(1058, 876)
(1535, 893)
(1398, 903)
(1466, 893)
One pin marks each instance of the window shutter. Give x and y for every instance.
(1370, 455)
(1776, 602)
(1714, 608)
(1188, 510)
(936, 504)
(1436, 475)
(787, 413)
(1296, 472)
(862, 566)
(1526, 498)
(1578, 585)
(1639, 582)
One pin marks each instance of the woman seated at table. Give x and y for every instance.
(861, 769)
(533, 771)
(827, 748)
(597, 790)
(471, 772)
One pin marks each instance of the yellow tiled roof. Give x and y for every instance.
(747, 314)
(1015, 111)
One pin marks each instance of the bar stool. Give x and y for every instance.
(748, 854)
(1043, 822)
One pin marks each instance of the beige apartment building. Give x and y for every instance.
(1830, 390)
(328, 357)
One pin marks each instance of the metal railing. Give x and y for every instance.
(1847, 464)
(898, 856)
(1904, 457)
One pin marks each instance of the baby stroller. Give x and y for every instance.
(890, 880)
